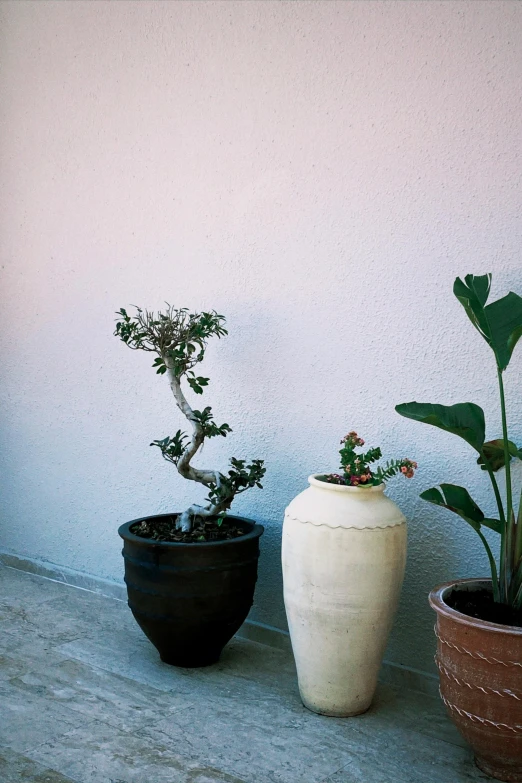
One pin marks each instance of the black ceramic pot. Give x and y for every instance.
(190, 599)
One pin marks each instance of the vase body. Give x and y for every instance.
(190, 599)
(343, 553)
(480, 669)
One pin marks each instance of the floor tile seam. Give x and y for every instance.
(68, 777)
(454, 744)
(150, 722)
(227, 678)
(39, 634)
(118, 726)
(213, 768)
(86, 722)
(100, 670)
(139, 681)
(401, 690)
(35, 667)
(367, 743)
(423, 732)
(324, 731)
(330, 775)
(45, 767)
(371, 740)
(379, 755)
(154, 726)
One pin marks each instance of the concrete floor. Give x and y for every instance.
(85, 699)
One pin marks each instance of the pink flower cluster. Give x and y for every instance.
(408, 468)
(353, 439)
(362, 479)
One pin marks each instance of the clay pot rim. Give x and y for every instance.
(125, 533)
(437, 602)
(314, 481)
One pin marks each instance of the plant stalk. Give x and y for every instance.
(509, 549)
(505, 572)
(517, 601)
(518, 554)
(493, 566)
(518, 528)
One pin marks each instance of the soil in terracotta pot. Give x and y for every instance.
(480, 604)
(164, 529)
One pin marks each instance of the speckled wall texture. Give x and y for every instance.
(319, 172)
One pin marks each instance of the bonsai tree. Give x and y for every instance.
(179, 339)
(356, 470)
(500, 324)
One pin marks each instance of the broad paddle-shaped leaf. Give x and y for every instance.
(473, 295)
(458, 500)
(464, 419)
(499, 323)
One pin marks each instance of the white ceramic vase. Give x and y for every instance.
(344, 553)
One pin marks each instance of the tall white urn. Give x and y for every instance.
(344, 553)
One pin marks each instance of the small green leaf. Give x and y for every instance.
(494, 452)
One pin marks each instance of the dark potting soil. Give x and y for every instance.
(164, 529)
(480, 604)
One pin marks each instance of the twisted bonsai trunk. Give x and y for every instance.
(188, 471)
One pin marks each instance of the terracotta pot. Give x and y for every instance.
(480, 666)
(344, 552)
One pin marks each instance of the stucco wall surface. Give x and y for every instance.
(319, 172)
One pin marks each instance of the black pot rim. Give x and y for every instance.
(125, 533)
(437, 602)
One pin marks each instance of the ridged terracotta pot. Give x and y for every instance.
(344, 552)
(480, 667)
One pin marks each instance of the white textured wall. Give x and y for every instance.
(317, 171)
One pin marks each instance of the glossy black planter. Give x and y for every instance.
(190, 599)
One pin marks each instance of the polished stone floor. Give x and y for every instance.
(85, 699)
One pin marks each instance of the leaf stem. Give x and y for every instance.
(518, 543)
(517, 601)
(509, 548)
(504, 570)
(493, 566)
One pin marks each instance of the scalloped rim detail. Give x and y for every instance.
(361, 490)
(343, 527)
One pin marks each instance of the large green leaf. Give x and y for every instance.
(500, 323)
(494, 452)
(505, 320)
(473, 295)
(464, 419)
(458, 500)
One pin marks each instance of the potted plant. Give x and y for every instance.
(190, 575)
(343, 553)
(479, 621)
